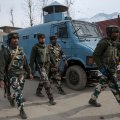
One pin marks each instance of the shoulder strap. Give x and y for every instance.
(58, 45)
(16, 52)
(45, 53)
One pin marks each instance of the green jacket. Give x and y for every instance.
(41, 55)
(106, 54)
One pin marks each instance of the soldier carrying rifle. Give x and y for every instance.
(42, 55)
(12, 64)
(58, 54)
(107, 57)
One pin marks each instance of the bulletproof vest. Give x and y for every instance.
(110, 56)
(55, 51)
(18, 62)
(42, 54)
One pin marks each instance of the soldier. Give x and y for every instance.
(57, 53)
(13, 62)
(106, 57)
(117, 44)
(42, 56)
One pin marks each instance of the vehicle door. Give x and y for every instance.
(62, 32)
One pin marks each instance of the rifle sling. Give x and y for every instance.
(16, 52)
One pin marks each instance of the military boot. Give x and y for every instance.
(23, 114)
(11, 101)
(51, 101)
(94, 103)
(61, 91)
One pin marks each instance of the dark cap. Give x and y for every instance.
(13, 35)
(39, 35)
(112, 29)
(53, 37)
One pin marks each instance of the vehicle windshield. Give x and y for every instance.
(84, 29)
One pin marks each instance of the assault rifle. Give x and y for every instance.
(6, 86)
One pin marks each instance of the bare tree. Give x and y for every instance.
(29, 7)
(12, 16)
(41, 4)
(68, 3)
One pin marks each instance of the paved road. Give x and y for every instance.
(73, 106)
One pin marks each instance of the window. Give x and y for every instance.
(60, 30)
(85, 29)
(26, 37)
(35, 35)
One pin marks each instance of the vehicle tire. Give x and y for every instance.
(76, 77)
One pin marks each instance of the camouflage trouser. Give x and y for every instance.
(44, 82)
(56, 78)
(103, 81)
(17, 84)
(55, 75)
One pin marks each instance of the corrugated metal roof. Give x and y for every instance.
(103, 24)
(2, 27)
(58, 6)
(55, 3)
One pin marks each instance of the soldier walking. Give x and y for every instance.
(42, 56)
(12, 64)
(106, 56)
(57, 54)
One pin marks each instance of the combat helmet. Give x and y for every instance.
(112, 29)
(53, 37)
(12, 35)
(40, 35)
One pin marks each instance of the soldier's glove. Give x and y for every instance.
(104, 71)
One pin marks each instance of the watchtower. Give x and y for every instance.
(54, 12)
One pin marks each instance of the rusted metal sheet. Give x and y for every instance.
(103, 24)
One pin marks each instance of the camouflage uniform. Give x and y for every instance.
(55, 74)
(13, 63)
(15, 72)
(106, 55)
(41, 54)
(117, 45)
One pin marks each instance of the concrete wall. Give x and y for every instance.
(1, 38)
